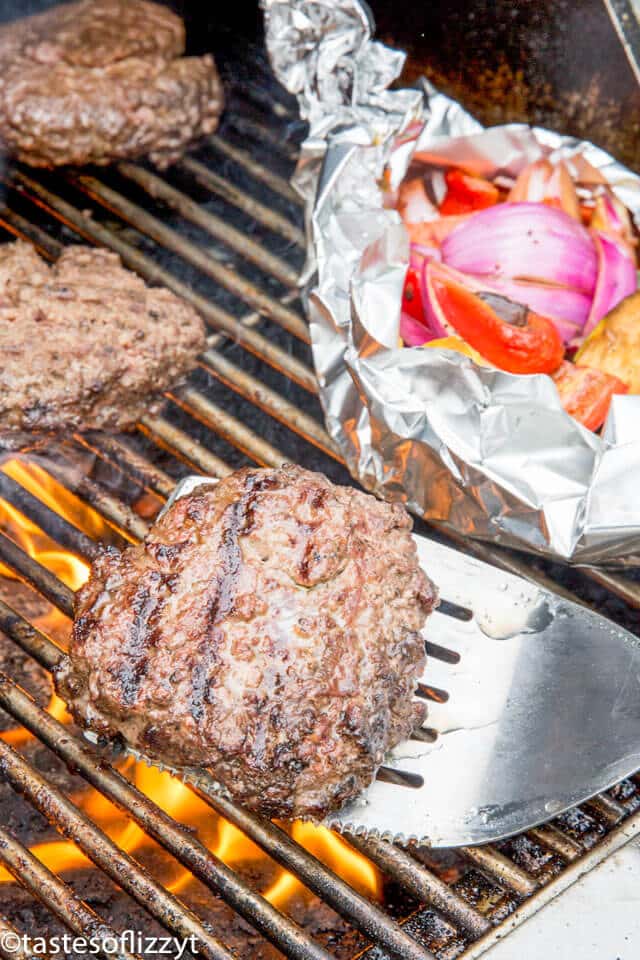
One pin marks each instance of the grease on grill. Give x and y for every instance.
(527, 853)
(486, 895)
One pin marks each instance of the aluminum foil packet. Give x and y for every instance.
(489, 454)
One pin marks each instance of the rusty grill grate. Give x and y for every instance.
(223, 230)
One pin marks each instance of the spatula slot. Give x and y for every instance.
(454, 610)
(441, 653)
(424, 735)
(402, 778)
(431, 693)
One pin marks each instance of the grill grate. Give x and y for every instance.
(253, 398)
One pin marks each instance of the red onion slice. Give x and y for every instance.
(616, 279)
(524, 241)
(413, 334)
(434, 316)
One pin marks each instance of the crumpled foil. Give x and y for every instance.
(489, 454)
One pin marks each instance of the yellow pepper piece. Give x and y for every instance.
(460, 346)
(614, 345)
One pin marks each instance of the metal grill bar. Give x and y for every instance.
(157, 824)
(549, 836)
(50, 522)
(271, 402)
(262, 134)
(183, 447)
(118, 514)
(159, 189)
(506, 872)
(102, 851)
(257, 171)
(33, 641)
(22, 229)
(627, 590)
(422, 884)
(55, 894)
(10, 938)
(228, 427)
(33, 573)
(170, 239)
(127, 460)
(270, 99)
(607, 809)
(217, 185)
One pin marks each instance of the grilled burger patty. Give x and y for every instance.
(99, 80)
(268, 630)
(84, 343)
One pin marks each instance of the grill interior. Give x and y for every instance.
(223, 229)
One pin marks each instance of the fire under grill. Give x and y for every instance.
(223, 230)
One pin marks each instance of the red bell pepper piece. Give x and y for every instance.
(466, 194)
(586, 393)
(508, 335)
(412, 294)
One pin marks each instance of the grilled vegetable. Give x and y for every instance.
(616, 278)
(546, 182)
(431, 233)
(610, 216)
(507, 334)
(466, 194)
(524, 241)
(412, 293)
(413, 333)
(545, 258)
(586, 393)
(614, 345)
(455, 343)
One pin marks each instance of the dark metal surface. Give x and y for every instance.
(625, 23)
(556, 63)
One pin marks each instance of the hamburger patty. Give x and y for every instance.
(100, 80)
(85, 342)
(267, 629)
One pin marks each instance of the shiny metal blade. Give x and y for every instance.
(543, 711)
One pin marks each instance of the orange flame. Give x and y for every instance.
(224, 840)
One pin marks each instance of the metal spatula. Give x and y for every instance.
(540, 710)
(537, 708)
